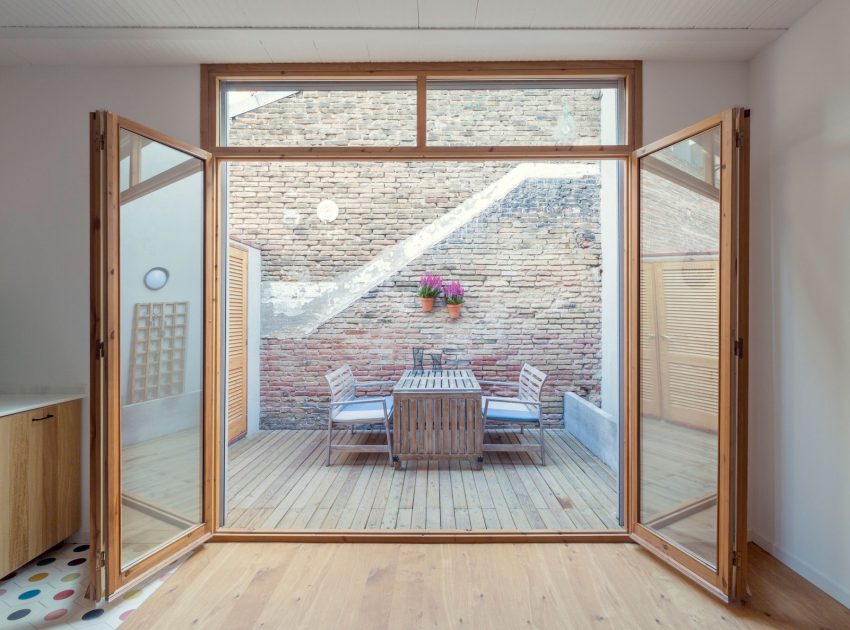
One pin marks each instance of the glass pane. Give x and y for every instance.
(337, 251)
(303, 114)
(679, 334)
(161, 219)
(523, 113)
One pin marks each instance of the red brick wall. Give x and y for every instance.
(530, 265)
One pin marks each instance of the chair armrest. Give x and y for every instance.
(358, 401)
(512, 400)
(500, 383)
(374, 383)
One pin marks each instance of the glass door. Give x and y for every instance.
(158, 248)
(686, 457)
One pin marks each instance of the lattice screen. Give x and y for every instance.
(158, 351)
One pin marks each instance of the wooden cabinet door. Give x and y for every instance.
(237, 343)
(14, 492)
(61, 472)
(39, 481)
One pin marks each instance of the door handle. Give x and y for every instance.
(47, 417)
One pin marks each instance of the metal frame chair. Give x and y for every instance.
(522, 409)
(347, 410)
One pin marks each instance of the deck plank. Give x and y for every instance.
(278, 480)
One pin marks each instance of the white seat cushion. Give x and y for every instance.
(511, 411)
(364, 412)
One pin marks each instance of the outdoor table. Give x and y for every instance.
(437, 415)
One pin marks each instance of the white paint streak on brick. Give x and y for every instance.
(296, 309)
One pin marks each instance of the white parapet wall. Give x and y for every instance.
(597, 429)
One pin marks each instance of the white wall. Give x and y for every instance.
(678, 94)
(44, 209)
(254, 322)
(800, 299)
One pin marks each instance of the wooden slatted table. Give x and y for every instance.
(437, 415)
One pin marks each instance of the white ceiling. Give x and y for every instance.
(197, 31)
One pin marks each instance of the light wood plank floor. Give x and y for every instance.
(278, 480)
(317, 586)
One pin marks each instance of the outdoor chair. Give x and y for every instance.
(418, 356)
(347, 410)
(522, 409)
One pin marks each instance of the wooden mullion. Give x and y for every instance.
(575, 152)
(421, 112)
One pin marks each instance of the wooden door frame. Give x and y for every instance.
(105, 481)
(630, 71)
(728, 582)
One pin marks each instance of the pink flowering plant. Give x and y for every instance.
(453, 292)
(429, 285)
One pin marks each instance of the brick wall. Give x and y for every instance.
(272, 205)
(530, 262)
(455, 117)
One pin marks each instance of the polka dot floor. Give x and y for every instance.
(49, 593)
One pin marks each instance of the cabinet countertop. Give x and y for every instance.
(18, 403)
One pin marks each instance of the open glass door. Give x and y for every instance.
(687, 456)
(157, 232)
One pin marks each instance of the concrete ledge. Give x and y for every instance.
(593, 427)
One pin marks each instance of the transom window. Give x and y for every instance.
(411, 111)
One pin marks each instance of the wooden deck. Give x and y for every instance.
(277, 480)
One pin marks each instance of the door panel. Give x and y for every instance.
(158, 382)
(237, 343)
(683, 458)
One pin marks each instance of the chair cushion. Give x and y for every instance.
(511, 411)
(364, 412)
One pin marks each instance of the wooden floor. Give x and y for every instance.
(679, 470)
(278, 480)
(317, 586)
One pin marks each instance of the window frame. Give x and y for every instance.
(213, 76)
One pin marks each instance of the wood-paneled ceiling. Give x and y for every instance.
(193, 31)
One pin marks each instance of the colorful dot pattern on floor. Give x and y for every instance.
(49, 592)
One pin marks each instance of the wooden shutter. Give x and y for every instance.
(650, 396)
(687, 294)
(237, 343)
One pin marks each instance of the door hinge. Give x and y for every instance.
(101, 348)
(739, 348)
(734, 558)
(739, 139)
(99, 141)
(101, 558)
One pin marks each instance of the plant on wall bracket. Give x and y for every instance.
(429, 289)
(453, 292)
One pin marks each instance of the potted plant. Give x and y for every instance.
(453, 292)
(429, 289)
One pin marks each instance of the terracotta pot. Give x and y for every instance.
(454, 310)
(427, 304)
